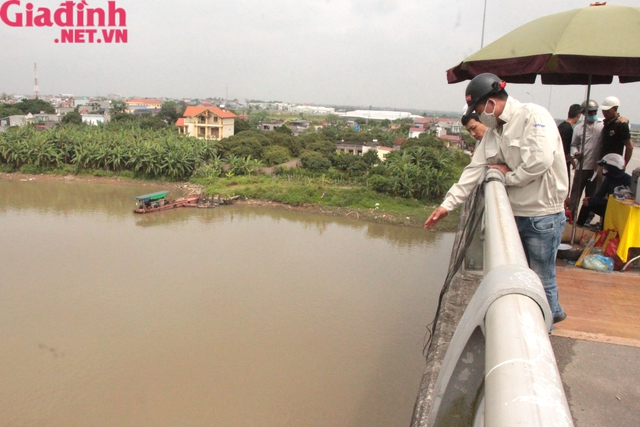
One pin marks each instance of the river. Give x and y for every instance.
(235, 316)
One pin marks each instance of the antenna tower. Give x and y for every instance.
(36, 88)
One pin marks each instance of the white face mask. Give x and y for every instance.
(489, 120)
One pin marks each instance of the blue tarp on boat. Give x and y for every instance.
(152, 196)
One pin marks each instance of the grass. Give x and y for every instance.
(318, 194)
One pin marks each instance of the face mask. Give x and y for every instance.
(489, 120)
(592, 119)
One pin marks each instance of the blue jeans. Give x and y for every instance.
(540, 237)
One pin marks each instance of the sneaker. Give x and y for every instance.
(560, 317)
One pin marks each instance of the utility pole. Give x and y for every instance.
(36, 88)
(484, 15)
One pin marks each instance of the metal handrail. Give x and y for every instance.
(499, 364)
(522, 383)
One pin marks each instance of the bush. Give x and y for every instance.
(379, 183)
(31, 169)
(461, 159)
(102, 173)
(292, 143)
(318, 142)
(66, 170)
(314, 161)
(275, 155)
(327, 148)
(152, 122)
(342, 161)
(207, 171)
(127, 174)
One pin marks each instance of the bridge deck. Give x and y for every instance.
(602, 307)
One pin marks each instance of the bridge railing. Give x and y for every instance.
(499, 367)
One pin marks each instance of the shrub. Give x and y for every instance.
(275, 155)
(127, 174)
(314, 161)
(103, 173)
(66, 170)
(207, 171)
(292, 143)
(31, 169)
(379, 183)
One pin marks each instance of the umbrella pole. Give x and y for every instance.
(580, 163)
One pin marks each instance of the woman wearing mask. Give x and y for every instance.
(614, 176)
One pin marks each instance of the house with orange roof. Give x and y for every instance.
(143, 103)
(211, 123)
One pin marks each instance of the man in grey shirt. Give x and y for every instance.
(586, 160)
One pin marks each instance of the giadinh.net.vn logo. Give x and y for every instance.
(79, 22)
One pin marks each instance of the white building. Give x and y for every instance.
(311, 109)
(93, 119)
(376, 115)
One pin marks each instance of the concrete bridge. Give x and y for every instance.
(491, 360)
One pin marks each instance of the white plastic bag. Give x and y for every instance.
(598, 262)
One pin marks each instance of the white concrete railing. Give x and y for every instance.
(500, 366)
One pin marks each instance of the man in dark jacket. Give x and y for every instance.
(614, 176)
(566, 133)
(615, 134)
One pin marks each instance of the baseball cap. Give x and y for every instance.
(609, 103)
(612, 159)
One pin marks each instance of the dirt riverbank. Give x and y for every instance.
(371, 215)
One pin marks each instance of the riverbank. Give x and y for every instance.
(382, 215)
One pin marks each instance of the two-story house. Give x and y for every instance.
(207, 123)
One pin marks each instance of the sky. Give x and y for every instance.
(380, 53)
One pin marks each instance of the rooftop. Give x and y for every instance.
(194, 111)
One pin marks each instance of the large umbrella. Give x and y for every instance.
(580, 46)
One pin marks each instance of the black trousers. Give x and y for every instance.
(581, 182)
(586, 210)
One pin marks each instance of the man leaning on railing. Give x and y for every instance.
(523, 143)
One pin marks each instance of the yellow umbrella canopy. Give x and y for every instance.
(580, 46)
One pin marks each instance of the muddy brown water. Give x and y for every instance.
(235, 316)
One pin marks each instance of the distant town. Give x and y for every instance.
(216, 118)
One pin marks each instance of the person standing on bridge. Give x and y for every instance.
(566, 133)
(523, 143)
(616, 137)
(586, 153)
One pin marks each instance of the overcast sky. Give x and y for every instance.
(384, 53)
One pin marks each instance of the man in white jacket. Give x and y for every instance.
(523, 143)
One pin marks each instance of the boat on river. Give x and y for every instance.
(162, 201)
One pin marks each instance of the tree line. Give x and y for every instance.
(147, 147)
